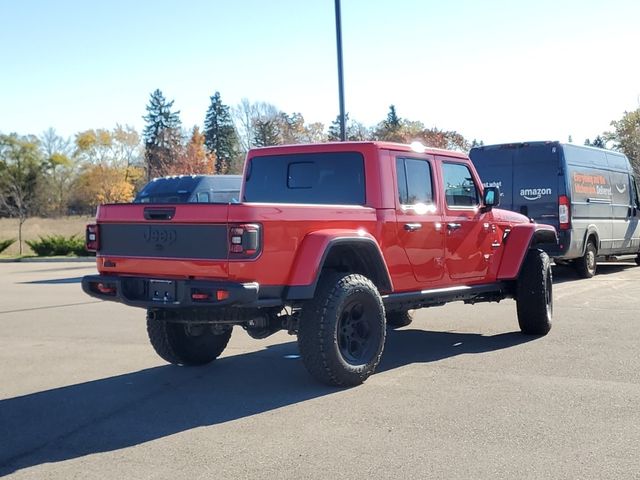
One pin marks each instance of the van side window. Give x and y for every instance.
(636, 192)
(414, 181)
(460, 189)
(203, 197)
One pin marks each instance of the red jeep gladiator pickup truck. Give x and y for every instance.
(332, 242)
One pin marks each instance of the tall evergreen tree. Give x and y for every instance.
(599, 142)
(162, 135)
(220, 136)
(333, 133)
(390, 129)
(393, 121)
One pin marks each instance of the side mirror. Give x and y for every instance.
(491, 198)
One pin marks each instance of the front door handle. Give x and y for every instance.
(412, 227)
(453, 226)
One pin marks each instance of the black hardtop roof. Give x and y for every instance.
(195, 176)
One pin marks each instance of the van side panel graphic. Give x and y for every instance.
(591, 185)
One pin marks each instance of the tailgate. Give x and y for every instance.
(181, 241)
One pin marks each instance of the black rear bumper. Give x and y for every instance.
(169, 293)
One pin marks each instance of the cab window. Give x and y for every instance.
(414, 181)
(459, 187)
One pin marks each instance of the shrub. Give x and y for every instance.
(54, 245)
(4, 244)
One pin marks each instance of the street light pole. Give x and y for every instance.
(343, 128)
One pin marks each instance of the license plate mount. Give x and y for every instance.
(162, 291)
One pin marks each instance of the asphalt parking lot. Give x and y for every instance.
(459, 394)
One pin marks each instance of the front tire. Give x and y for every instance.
(587, 264)
(342, 330)
(534, 296)
(185, 344)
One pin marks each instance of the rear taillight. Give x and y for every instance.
(106, 288)
(244, 240)
(564, 212)
(92, 239)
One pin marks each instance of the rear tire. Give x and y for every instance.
(342, 330)
(587, 264)
(638, 259)
(534, 294)
(184, 344)
(399, 319)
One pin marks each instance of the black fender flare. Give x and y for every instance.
(369, 255)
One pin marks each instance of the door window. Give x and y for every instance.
(460, 189)
(414, 182)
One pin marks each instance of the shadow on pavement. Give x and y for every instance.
(53, 281)
(566, 273)
(406, 347)
(125, 410)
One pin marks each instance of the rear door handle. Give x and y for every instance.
(412, 227)
(453, 226)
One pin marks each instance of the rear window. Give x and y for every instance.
(312, 178)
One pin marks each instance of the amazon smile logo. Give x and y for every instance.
(621, 189)
(532, 194)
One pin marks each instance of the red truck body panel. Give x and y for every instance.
(454, 246)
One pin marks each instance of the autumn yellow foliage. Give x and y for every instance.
(99, 184)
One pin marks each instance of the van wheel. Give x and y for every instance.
(534, 295)
(399, 319)
(184, 344)
(586, 265)
(342, 330)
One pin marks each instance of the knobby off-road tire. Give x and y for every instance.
(342, 330)
(587, 264)
(181, 344)
(399, 319)
(534, 296)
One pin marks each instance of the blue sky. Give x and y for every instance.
(496, 71)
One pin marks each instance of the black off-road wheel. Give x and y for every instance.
(342, 330)
(399, 319)
(587, 264)
(534, 296)
(186, 344)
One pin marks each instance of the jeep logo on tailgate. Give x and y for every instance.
(160, 235)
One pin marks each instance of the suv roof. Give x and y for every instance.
(181, 188)
(415, 147)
